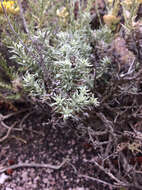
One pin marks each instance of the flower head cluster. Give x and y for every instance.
(9, 6)
(63, 14)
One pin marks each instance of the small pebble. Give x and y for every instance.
(8, 188)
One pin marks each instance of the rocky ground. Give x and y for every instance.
(41, 143)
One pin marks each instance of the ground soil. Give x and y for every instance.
(43, 143)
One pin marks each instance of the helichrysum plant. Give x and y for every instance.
(65, 62)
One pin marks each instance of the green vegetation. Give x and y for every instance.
(55, 67)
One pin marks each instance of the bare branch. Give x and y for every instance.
(34, 165)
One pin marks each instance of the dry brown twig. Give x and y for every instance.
(34, 165)
(107, 123)
(24, 118)
(8, 132)
(121, 183)
(3, 117)
(117, 184)
(98, 180)
(96, 143)
(92, 178)
(9, 128)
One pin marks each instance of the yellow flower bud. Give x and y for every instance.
(63, 13)
(139, 1)
(110, 19)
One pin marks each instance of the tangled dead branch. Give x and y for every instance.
(12, 127)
